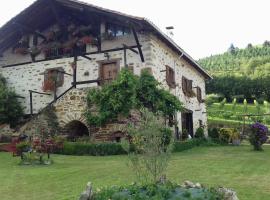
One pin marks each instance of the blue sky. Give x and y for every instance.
(202, 27)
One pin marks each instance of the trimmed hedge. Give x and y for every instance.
(92, 149)
(189, 144)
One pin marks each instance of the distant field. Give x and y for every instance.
(230, 116)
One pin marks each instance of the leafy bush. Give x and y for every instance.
(126, 93)
(93, 149)
(10, 108)
(189, 144)
(156, 191)
(213, 133)
(225, 135)
(258, 136)
(199, 133)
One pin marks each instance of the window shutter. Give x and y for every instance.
(189, 86)
(170, 77)
(184, 85)
(199, 94)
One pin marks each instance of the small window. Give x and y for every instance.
(170, 77)
(199, 94)
(108, 72)
(53, 77)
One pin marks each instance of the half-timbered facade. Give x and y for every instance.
(55, 49)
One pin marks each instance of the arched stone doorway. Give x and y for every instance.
(76, 129)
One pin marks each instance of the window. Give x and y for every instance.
(117, 30)
(187, 87)
(170, 77)
(108, 72)
(53, 77)
(199, 94)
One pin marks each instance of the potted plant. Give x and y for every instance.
(235, 137)
(258, 136)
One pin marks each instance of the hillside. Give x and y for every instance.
(241, 73)
(250, 61)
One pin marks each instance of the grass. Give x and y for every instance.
(239, 168)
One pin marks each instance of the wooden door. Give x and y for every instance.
(187, 122)
(108, 72)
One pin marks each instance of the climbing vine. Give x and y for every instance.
(129, 92)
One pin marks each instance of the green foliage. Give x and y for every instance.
(51, 119)
(213, 133)
(10, 109)
(93, 149)
(184, 134)
(126, 93)
(226, 135)
(199, 133)
(212, 98)
(114, 99)
(158, 191)
(152, 144)
(23, 147)
(244, 72)
(195, 142)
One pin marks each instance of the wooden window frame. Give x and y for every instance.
(170, 77)
(100, 67)
(59, 82)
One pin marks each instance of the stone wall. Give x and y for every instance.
(162, 55)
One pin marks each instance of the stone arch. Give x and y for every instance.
(76, 129)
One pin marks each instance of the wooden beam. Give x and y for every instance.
(32, 91)
(138, 43)
(133, 50)
(125, 56)
(88, 58)
(31, 102)
(90, 53)
(30, 30)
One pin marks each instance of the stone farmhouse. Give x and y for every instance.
(54, 50)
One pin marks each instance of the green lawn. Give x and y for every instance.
(246, 171)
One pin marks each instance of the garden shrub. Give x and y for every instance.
(92, 149)
(189, 144)
(157, 191)
(199, 133)
(152, 143)
(213, 133)
(258, 136)
(11, 110)
(225, 135)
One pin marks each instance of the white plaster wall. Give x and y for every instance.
(162, 55)
(27, 77)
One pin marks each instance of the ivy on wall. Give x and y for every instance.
(129, 92)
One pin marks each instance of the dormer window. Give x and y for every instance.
(170, 77)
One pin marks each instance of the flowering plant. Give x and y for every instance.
(258, 135)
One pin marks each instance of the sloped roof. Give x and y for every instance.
(40, 9)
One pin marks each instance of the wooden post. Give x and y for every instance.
(75, 71)
(55, 88)
(138, 43)
(125, 57)
(31, 102)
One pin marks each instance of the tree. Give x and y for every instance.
(10, 108)
(266, 43)
(152, 144)
(232, 49)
